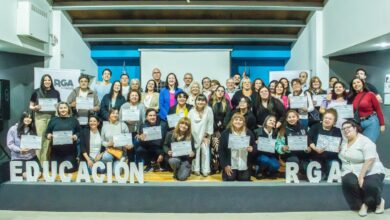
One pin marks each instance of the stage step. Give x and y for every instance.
(175, 197)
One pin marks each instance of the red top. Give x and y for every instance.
(368, 106)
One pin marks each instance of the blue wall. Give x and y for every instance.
(255, 60)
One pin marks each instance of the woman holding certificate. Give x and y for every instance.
(221, 109)
(114, 99)
(266, 158)
(63, 132)
(325, 140)
(133, 114)
(179, 145)
(367, 109)
(301, 101)
(91, 141)
(150, 97)
(202, 120)
(236, 147)
(266, 105)
(115, 138)
(167, 96)
(43, 102)
(362, 171)
(18, 140)
(292, 141)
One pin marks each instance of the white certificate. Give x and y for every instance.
(317, 100)
(84, 103)
(121, 140)
(298, 102)
(173, 119)
(344, 111)
(181, 148)
(297, 143)
(130, 114)
(152, 133)
(48, 104)
(329, 143)
(238, 142)
(62, 137)
(31, 142)
(83, 120)
(266, 145)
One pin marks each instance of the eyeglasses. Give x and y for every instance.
(346, 128)
(155, 72)
(187, 78)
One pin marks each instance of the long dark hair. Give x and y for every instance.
(334, 95)
(176, 83)
(352, 93)
(31, 127)
(43, 85)
(282, 129)
(270, 100)
(112, 88)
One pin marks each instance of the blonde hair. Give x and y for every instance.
(231, 127)
(176, 132)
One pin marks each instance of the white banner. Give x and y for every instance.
(64, 80)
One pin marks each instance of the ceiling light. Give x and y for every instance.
(383, 44)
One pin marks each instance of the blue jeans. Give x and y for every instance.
(304, 122)
(269, 163)
(371, 128)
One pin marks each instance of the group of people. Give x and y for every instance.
(245, 128)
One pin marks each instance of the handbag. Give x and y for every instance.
(356, 117)
(116, 152)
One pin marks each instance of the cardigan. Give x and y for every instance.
(164, 101)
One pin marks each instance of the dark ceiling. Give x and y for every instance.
(258, 22)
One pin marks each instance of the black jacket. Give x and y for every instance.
(225, 152)
(85, 138)
(157, 144)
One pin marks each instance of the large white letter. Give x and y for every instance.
(65, 165)
(317, 172)
(334, 173)
(32, 171)
(118, 168)
(136, 171)
(291, 172)
(82, 173)
(46, 169)
(95, 176)
(15, 170)
(109, 172)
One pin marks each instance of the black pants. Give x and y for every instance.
(61, 158)
(299, 157)
(148, 154)
(237, 175)
(325, 159)
(370, 194)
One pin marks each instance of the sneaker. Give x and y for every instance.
(205, 174)
(196, 173)
(381, 207)
(148, 169)
(363, 210)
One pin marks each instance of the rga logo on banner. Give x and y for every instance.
(64, 80)
(63, 83)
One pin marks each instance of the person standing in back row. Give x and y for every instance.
(156, 74)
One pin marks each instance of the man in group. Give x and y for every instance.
(230, 88)
(361, 74)
(84, 92)
(237, 81)
(303, 76)
(188, 78)
(156, 74)
(102, 88)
